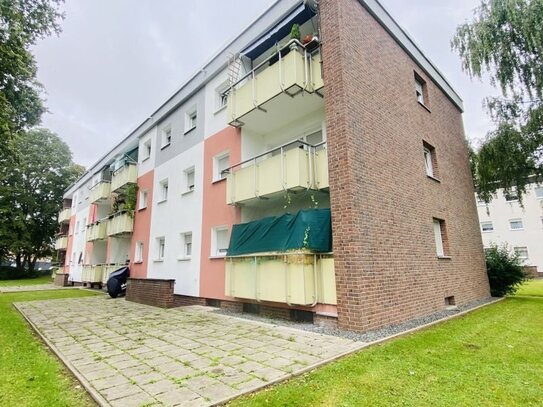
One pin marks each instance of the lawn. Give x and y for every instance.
(27, 281)
(30, 375)
(490, 357)
(532, 288)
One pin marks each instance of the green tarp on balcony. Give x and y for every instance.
(308, 229)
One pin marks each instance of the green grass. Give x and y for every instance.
(26, 281)
(490, 357)
(532, 288)
(30, 375)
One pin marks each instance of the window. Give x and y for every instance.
(539, 192)
(420, 89)
(522, 252)
(487, 227)
(186, 245)
(221, 96)
(161, 247)
(480, 202)
(166, 137)
(147, 149)
(221, 163)
(510, 195)
(84, 224)
(189, 179)
(191, 118)
(77, 228)
(516, 224)
(142, 203)
(430, 161)
(163, 190)
(440, 235)
(220, 241)
(138, 257)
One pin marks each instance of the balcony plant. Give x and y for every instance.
(295, 32)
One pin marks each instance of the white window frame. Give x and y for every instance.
(538, 191)
(516, 220)
(216, 170)
(138, 254)
(419, 90)
(438, 236)
(191, 119)
(187, 246)
(220, 100)
(188, 187)
(142, 200)
(147, 150)
(160, 248)
(84, 225)
(522, 249)
(164, 189)
(166, 137)
(76, 228)
(428, 164)
(513, 194)
(216, 251)
(487, 222)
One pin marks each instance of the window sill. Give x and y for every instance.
(216, 181)
(444, 257)
(487, 231)
(138, 262)
(189, 130)
(158, 261)
(433, 178)
(425, 107)
(516, 230)
(184, 258)
(217, 257)
(162, 201)
(220, 109)
(142, 209)
(188, 191)
(145, 159)
(165, 146)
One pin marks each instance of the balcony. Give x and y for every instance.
(93, 273)
(108, 269)
(97, 231)
(120, 224)
(127, 174)
(61, 243)
(100, 192)
(293, 278)
(64, 215)
(291, 167)
(266, 97)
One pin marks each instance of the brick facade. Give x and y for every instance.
(184, 300)
(150, 291)
(382, 201)
(61, 279)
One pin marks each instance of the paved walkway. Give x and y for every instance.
(35, 287)
(128, 354)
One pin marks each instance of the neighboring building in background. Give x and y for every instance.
(505, 221)
(360, 129)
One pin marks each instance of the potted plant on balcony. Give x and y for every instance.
(295, 32)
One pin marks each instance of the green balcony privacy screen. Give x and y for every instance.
(309, 229)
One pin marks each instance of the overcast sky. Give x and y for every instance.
(116, 61)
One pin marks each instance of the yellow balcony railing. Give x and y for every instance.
(127, 174)
(100, 191)
(61, 243)
(93, 273)
(297, 71)
(64, 215)
(108, 269)
(97, 231)
(119, 224)
(293, 278)
(293, 166)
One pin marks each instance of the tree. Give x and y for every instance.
(22, 23)
(505, 41)
(32, 185)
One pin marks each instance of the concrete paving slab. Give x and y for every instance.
(128, 354)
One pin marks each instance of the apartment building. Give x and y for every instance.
(322, 178)
(504, 221)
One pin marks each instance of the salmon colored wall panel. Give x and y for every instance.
(70, 245)
(215, 210)
(142, 227)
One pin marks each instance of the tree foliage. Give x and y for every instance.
(504, 270)
(22, 23)
(505, 41)
(32, 183)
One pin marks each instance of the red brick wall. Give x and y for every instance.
(158, 293)
(381, 199)
(61, 280)
(184, 300)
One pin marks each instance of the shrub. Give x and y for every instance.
(11, 273)
(504, 269)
